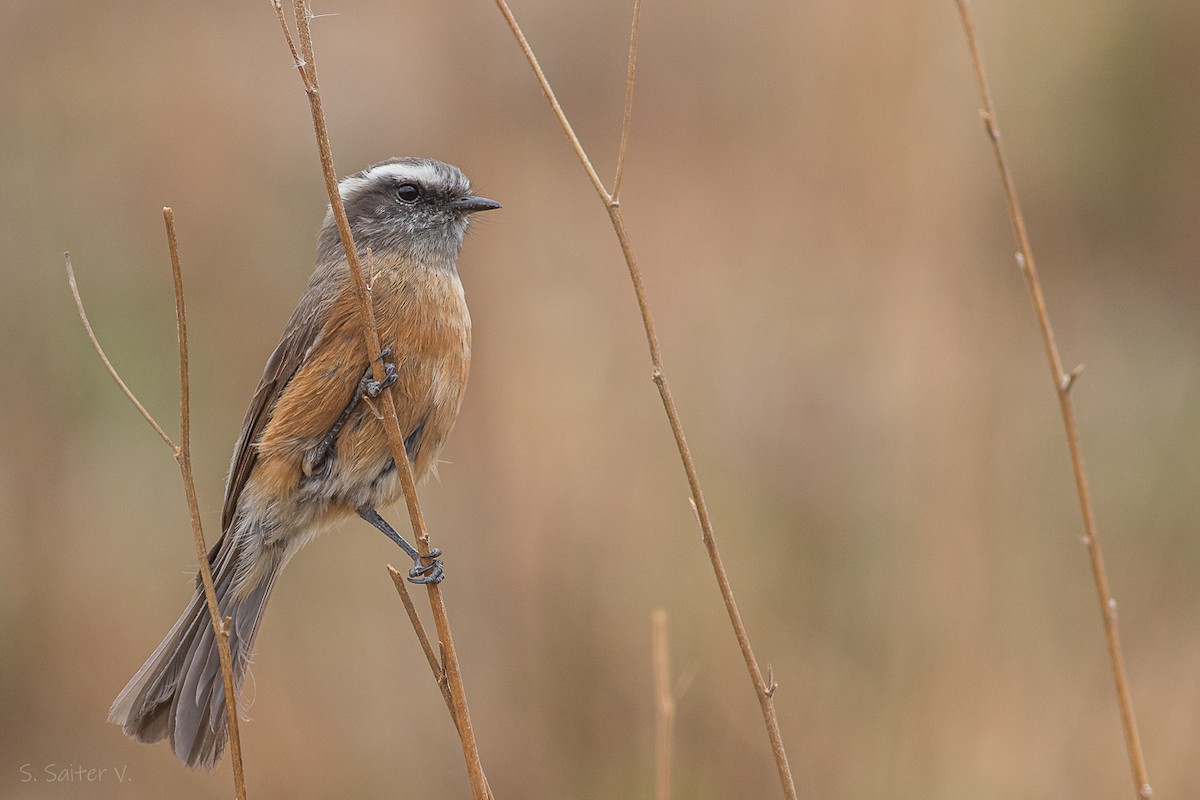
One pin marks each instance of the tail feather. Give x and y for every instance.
(178, 694)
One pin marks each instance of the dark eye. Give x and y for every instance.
(408, 193)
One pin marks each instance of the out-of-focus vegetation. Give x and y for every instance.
(823, 236)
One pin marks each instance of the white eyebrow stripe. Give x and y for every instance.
(351, 185)
(423, 173)
(426, 174)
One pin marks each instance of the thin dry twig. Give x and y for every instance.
(112, 371)
(183, 457)
(664, 706)
(305, 63)
(633, 41)
(1063, 383)
(435, 663)
(761, 687)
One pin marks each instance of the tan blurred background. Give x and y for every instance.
(812, 199)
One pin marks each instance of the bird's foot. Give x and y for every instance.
(427, 573)
(372, 388)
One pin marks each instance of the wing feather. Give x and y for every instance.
(298, 340)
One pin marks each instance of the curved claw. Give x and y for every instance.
(373, 388)
(430, 573)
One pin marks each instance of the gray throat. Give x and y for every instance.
(433, 247)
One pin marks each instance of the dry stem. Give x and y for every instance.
(625, 118)
(435, 664)
(762, 688)
(664, 717)
(306, 65)
(112, 371)
(183, 456)
(1063, 383)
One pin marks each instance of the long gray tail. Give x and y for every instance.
(178, 693)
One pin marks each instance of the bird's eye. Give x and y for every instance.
(408, 193)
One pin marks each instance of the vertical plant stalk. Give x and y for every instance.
(305, 63)
(628, 114)
(664, 706)
(183, 457)
(763, 687)
(1063, 383)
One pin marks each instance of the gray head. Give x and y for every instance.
(416, 207)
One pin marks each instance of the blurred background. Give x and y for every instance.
(817, 212)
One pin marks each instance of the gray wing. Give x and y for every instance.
(299, 336)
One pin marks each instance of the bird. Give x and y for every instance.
(312, 451)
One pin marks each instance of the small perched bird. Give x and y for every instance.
(311, 451)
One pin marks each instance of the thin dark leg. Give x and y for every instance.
(420, 573)
(367, 387)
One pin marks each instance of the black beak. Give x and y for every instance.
(472, 203)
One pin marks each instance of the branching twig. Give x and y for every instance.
(611, 204)
(435, 663)
(306, 65)
(664, 706)
(183, 456)
(112, 371)
(1063, 383)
